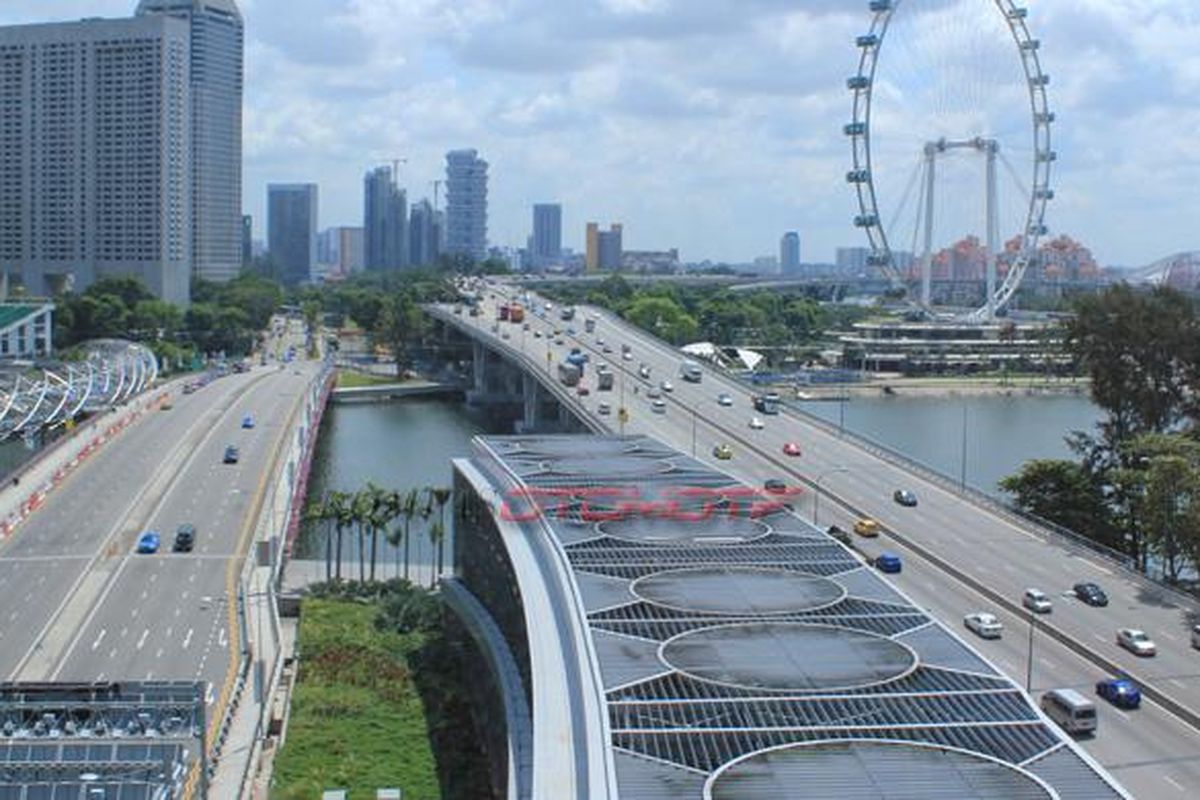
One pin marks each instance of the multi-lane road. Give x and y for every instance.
(83, 605)
(1150, 751)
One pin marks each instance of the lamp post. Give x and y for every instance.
(1029, 656)
(817, 489)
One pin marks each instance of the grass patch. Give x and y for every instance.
(358, 722)
(349, 379)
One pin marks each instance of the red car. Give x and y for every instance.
(582, 390)
(791, 449)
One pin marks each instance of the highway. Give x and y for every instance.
(84, 605)
(1150, 751)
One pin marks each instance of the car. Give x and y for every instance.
(570, 331)
(148, 542)
(185, 538)
(666, 386)
(659, 406)
(1136, 642)
(644, 371)
(1121, 692)
(837, 532)
(167, 405)
(775, 485)
(1091, 594)
(756, 423)
(248, 421)
(888, 562)
(599, 342)
(791, 449)
(905, 498)
(723, 452)
(582, 390)
(867, 527)
(627, 356)
(724, 400)
(525, 327)
(559, 340)
(231, 455)
(607, 350)
(1037, 601)
(558, 331)
(505, 335)
(537, 334)
(604, 409)
(983, 624)
(1196, 636)
(654, 393)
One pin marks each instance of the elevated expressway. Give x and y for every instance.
(985, 560)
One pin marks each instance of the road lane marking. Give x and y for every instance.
(1173, 782)
(221, 640)
(142, 640)
(187, 640)
(124, 630)
(159, 653)
(99, 639)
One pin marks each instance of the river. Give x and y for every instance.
(409, 444)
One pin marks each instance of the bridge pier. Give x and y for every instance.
(531, 390)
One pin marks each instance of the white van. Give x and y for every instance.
(1070, 710)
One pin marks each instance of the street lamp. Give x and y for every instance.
(1029, 659)
(817, 488)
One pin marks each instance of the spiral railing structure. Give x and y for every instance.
(35, 396)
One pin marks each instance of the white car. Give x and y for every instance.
(659, 406)
(604, 409)
(666, 386)
(1037, 601)
(627, 356)
(1136, 642)
(724, 400)
(984, 624)
(1196, 636)
(756, 423)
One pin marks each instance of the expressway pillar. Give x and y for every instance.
(479, 364)
(530, 388)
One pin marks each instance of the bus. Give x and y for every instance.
(589, 325)
(690, 372)
(516, 313)
(767, 403)
(569, 374)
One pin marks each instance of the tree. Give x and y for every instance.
(155, 319)
(441, 496)
(400, 322)
(341, 513)
(1065, 493)
(1162, 489)
(663, 317)
(127, 288)
(408, 508)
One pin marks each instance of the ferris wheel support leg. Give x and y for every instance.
(927, 253)
(993, 226)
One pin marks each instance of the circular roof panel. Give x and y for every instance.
(786, 656)
(716, 528)
(738, 590)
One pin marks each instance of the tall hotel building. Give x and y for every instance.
(466, 204)
(102, 171)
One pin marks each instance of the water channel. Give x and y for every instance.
(409, 444)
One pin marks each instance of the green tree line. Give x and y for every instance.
(1135, 484)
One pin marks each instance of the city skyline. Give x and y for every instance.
(602, 107)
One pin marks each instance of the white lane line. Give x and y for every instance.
(142, 640)
(170, 630)
(208, 696)
(135, 612)
(99, 639)
(158, 653)
(187, 639)
(112, 653)
(1173, 782)
(221, 640)
(1178, 683)
(1099, 638)
(124, 630)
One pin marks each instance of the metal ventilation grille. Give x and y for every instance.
(663, 629)
(676, 686)
(623, 559)
(707, 750)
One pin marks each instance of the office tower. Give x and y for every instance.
(216, 34)
(466, 204)
(604, 248)
(591, 258)
(423, 235)
(545, 246)
(349, 250)
(247, 239)
(852, 260)
(789, 253)
(94, 154)
(292, 230)
(385, 221)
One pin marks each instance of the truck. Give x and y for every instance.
(767, 403)
(604, 380)
(569, 374)
(503, 312)
(690, 372)
(589, 324)
(567, 314)
(516, 313)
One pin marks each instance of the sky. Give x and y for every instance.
(713, 126)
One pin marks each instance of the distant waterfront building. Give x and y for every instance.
(292, 230)
(216, 70)
(545, 246)
(424, 234)
(789, 253)
(466, 204)
(852, 260)
(766, 265)
(95, 145)
(247, 239)
(659, 262)
(385, 221)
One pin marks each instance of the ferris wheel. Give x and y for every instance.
(951, 144)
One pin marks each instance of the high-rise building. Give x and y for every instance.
(604, 248)
(217, 44)
(292, 230)
(424, 234)
(852, 260)
(247, 239)
(591, 258)
(385, 221)
(95, 142)
(466, 204)
(789, 253)
(545, 246)
(350, 257)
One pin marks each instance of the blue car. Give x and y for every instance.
(248, 421)
(148, 542)
(887, 562)
(1121, 692)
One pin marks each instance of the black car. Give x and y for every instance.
(231, 455)
(841, 535)
(1091, 594)
(775, 486)
(905, 498)
(185, 538)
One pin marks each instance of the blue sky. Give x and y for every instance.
(708, 125)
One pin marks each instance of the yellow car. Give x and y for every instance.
(723, 452)
(867, 527)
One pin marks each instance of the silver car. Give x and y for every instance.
(1037, 601)
(984, 624)
(1136, 642)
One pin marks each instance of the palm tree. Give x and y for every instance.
(441, 496)
(393, 505)
(437, 534)
(408, 509)
(319, 512)
(378, 519)
(340, 514)
(362, 511)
